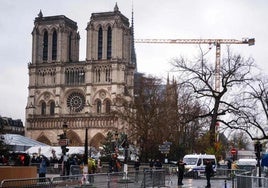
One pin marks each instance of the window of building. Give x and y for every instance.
(76, 102)
(54, 45)
(107, 106)
(45, 46)
(74, 76)
(43, 108)
(108, 74)
(100, 43)
(97, 74)
(109, 43)
(52, 108)
(70, 47)
(98, 106)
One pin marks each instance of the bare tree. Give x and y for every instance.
(218, 103)
(144, 116)
(253, 109)
(190, 130)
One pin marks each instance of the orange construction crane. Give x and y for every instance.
(216, 42)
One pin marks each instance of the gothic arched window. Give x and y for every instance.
(108, 74)
(98, 106)
(54, 45)
(52, 108)
(107, 106)
(45, 46)
(109, 43)
(43, 108)
(70, 47)
(100, 43)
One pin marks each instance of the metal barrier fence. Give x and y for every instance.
(132, 179)
(246, 180)
(27, 183)
(152, 178)
(239, 178)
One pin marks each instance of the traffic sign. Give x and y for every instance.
(63, 142)
(167, 143)
(233, 151)
(164, 150)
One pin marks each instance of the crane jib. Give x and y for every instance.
(249, 41)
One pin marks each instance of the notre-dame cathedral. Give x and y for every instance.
(81, 94)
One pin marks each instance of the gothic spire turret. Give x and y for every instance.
(116, 9)
(40, 14)
(133, 52)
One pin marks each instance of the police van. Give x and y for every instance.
(196, 163)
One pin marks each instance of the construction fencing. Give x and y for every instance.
(134, 179)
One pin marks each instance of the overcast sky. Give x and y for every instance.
(225, 19)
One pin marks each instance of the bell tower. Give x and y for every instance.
(55, 39)
(110, 51)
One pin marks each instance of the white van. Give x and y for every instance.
(195, 164)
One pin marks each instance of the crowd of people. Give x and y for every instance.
(95, 166)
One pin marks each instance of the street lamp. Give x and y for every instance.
(85, 159)
(64, 142)
(64, 127)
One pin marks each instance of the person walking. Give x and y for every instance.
(137, 168)
(99, 166)
(181, 168)
(158, 164)
(91, 169)
(209, 172)
(43, 168)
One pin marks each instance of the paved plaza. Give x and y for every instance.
(171, 182)
(197, 183)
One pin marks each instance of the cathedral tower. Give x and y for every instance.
(80, 93)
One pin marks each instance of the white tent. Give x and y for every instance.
(47, 150)
(20, 143)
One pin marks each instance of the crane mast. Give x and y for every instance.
(216, 42)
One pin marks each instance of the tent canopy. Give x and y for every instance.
(19, 142)
(47, 151)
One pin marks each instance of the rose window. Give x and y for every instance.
(76, 102)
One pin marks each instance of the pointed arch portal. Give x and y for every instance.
(74, 139)
(97, 140)
(43, 138)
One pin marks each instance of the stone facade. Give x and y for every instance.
(80, 93)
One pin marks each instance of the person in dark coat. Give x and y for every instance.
(229, 165)
(158, 164)
(43, 168)
(151, 164)
(181, 168)
(137, 168)
(209, 172)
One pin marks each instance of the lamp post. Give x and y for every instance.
(125, 145)
(85, 170)
(64, 142)
(116, 142)
(258, 150)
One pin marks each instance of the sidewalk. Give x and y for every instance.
(171, 182)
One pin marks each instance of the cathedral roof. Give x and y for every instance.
(111, 14)
(55, 19)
